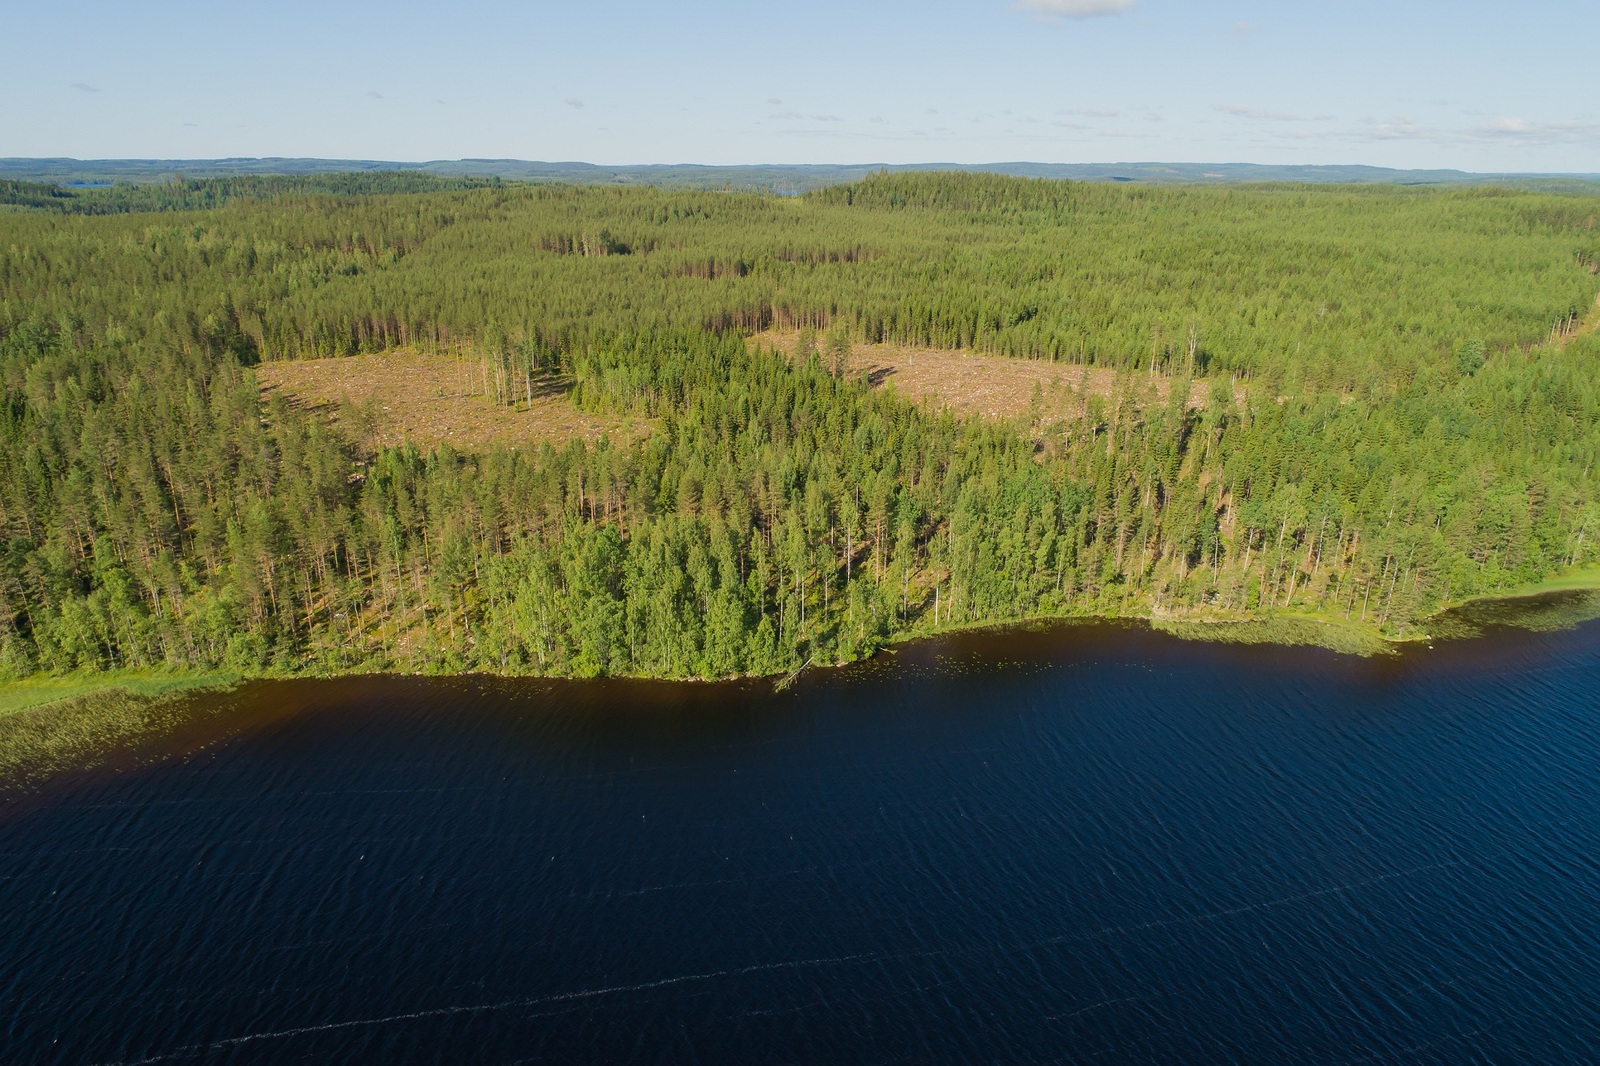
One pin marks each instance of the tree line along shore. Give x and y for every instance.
(1398, 408)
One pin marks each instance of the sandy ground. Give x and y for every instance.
(994, 386)
(431, 399)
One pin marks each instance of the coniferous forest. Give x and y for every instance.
(1402, 410)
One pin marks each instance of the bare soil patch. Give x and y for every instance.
(994, 386)
(430, 399)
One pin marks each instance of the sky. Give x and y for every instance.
(1467, 84)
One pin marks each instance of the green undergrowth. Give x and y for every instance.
(1580, 580)
(1296, 629)
(42, 690)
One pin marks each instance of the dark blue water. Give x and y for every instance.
(1091, 844)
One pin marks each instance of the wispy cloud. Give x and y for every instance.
(375, 94)
(574, 103)
(795, 116)
(1506, 126)
(1508, 130)
(1401, 127)
(1074, 9)
(1523, 130)
(1089, 112)
(1240, 111)
(85, 87)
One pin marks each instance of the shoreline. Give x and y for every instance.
(52, 724)
(1287, 628)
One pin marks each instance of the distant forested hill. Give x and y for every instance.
(1402, 408)
(780, 178)
(193, 194)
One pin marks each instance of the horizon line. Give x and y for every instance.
(432, 161)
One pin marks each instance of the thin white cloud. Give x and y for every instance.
(1074, 9)
(574, 103)
(1504, 130)
(826, 118)
(1241, 111)
(1524, 131)
(1252, 112)
(375, 94)
(1502, 126)
(1401, 127)
(85, 87)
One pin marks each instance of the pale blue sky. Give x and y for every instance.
(1409, 83)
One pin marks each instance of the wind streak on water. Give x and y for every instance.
(585, 994)
(442, 1012)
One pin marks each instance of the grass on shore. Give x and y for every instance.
(1584, 580)
(48, 725)
(1335, 632)
(1286, 628)
(44, 689)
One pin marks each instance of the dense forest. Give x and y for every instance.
(194, 194)
(1404, 410)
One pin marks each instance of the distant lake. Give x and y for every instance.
(1084, 843)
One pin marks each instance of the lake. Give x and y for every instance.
(1084, 843)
